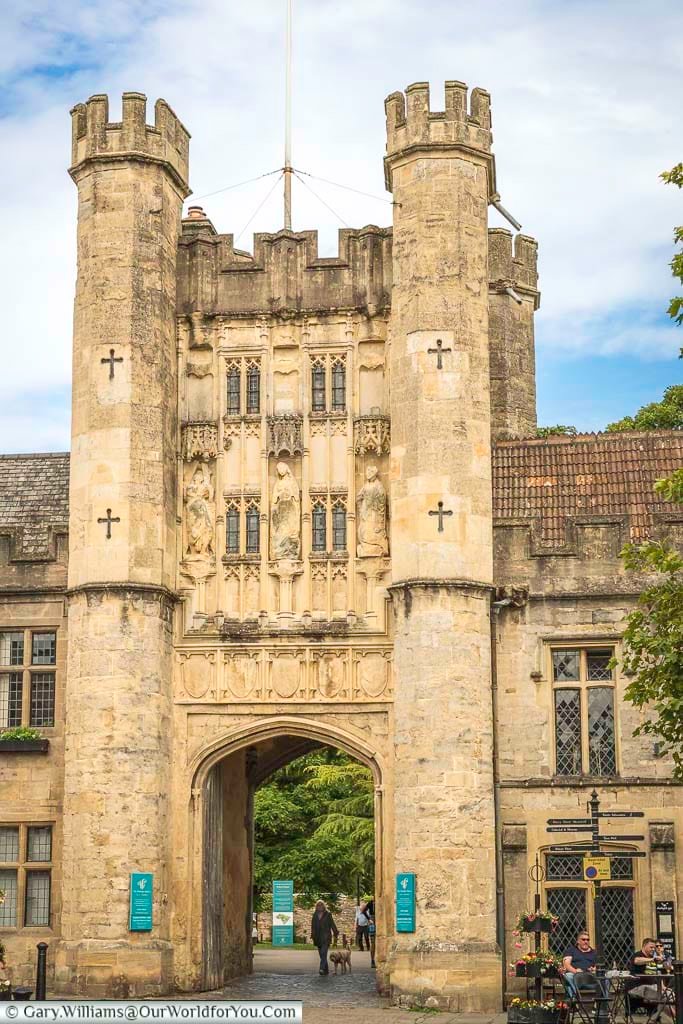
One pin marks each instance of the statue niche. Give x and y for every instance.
(199, 515)
(371, 508)
(285, 516)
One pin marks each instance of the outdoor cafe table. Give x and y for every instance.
(619, 985)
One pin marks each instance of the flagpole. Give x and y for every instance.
(288, 121)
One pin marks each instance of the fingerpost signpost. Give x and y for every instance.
(596, 867)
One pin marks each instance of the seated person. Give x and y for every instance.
(643, 963)
(577, 960)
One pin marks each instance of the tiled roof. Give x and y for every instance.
(34, 501)
(556, 479)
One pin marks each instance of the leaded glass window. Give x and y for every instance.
(618, 936)
(565, 665)
(8, 908)
(338, 386)
(339, 528)
(318, 403)
(11, 648)
(319, 523)
(232, 530)
(570, 906)
(44, 649)
(39, 845)
(253, 389)
(11, 688)
(37, 899)
(253, 531)
(598, 664)
(43, 699)
(9, 843)
(585, 722)
(568, 732)
(564, 869)
(602, 759)
(233, 393)
(26, 886)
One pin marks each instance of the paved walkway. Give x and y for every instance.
(341, 999)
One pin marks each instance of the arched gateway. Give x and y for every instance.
(222, 780)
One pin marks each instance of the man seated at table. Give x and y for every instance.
(643, 963)
(579, 959)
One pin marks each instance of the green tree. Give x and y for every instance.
(653, 638)
(675, 177)
(314, 823)
(664, 415)
(559, 428)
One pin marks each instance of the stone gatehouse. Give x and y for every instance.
(305, 505)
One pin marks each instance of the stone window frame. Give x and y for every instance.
(233, 539)
(35, 672)
(252, 511)
(339, 504)
(584, 685)
(322, 383)
(242, 369)
(24, 869)
(319, 512)
(581, 884)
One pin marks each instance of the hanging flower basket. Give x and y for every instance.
(537, 964)
(537, 921)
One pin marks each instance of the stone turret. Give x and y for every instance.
(513, 300)
(131, 179)
(441, 172)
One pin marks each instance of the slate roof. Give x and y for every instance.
(559, 478)
(34, 501)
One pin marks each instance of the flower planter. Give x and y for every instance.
(540, 924)
(532, 1015)
(534, 970)
(5, 993)
(23, 746)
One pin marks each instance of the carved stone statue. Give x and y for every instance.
(199, 494)
(372, 517)
(285, 515)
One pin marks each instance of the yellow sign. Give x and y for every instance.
(596, 869)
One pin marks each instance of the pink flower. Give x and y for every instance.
(518, 945)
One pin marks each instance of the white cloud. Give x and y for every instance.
(586, 103)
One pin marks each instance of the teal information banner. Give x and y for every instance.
(283, 913)
(140, 913)
(405, 902)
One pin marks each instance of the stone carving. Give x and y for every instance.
(371, 435)
(198, 370)
(285, 675)
(331, 675)
(285, 435)
(242, 676)
(197, 674)
(199, 513)
(285, 515)
(371, 508)
(373, 674)
(200, 441)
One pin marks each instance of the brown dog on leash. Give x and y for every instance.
(341, 957)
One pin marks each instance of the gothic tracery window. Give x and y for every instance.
(338, 386)
(318, 397)
(339, 526)
(319, 527)
(233, 390)
(232, 529)
(253, 389)
(253, 529)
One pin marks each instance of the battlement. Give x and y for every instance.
(286, 273)
(508, 267)
(95, 137)
(412, 125)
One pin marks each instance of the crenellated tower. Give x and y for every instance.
(513, 300)
(441, 172)
(131, 179)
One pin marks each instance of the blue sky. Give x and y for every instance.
(586, 113)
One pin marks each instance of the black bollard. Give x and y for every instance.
(41, 970)
(678, 990)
